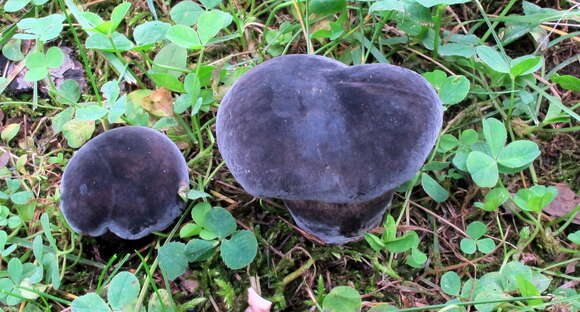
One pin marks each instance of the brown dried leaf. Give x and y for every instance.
(4, 158)
(257, 303)
(189, 285)
(159, 103)
(564, 202)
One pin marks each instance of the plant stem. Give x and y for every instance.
(437, 28)
(571, 215)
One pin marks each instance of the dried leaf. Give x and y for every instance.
(4, 158)
(257, 303)
(564, 202)
(159, 103)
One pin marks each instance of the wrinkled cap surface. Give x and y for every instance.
(305, 127)
(125, 180)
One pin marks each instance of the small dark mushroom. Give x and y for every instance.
(126, 181)
(332, 141)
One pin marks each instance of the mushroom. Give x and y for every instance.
(125, 181)
(331, 141)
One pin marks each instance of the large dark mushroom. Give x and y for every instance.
(332, 141)
(126, 181)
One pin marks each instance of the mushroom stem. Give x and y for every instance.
(339, 223)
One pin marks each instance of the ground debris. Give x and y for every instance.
(565, 201)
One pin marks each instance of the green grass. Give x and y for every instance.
(488, 90)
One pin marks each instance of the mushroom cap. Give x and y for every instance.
(306, 127)
(125, 180)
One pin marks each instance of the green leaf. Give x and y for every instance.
(199, 212)
(118, 109)
(494, 199)
(567, 82)
(527, 289)
(403, 243)
(518, 154)
(184, 37)
(77, 132)
(210, 4)
(60, 119)
(54, 57)
(15, 270)
(489, 296)
(182, 103)
(450, 283)
(199, 249)
(150, 32)
(37, 247)
(431, 3)
(468, 137)
(483, 169)
(433, 189)
(111, 90)
(93, 19)
(118, 14)
(457, 49)
(476, 229)
(326, 7)
(526, 64)
(167, 81)
(383, 307)
(90, 112)
(171, 55)
(210, 23)
(535, 198)
(416, 259)
(189, 230)
(159, 301)
(14, 222)
(342, 299)
(454, 90)
(117, 43)
(192, 84)
(468, 246)
(374, 241)
(36, 60)
(387, 5)
(436, 78)
(172, 259)
(9, 132)
(12, 50)
(540, 281)
(8, 286)
(510, 272)
(165, 123)
(36, 74)
(3, 240)
(447, 142)
(195, 194)
(186, 13)
(22, 197)
(485, 245)
(390, 227)
(240, 250)
(123, 291)
(13, 185)
(495, 135)
(15, 5)
(44, 28)
(90, 303)
(493, 59)
(219, 221)
(69, 92)
(573, 237)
